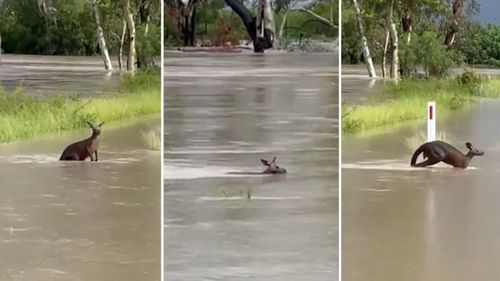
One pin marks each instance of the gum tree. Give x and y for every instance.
(363, 42)
(100, 37)
(260, 27)
(129, 19)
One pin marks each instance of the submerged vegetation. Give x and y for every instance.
(413, 142)
(23, 116)
(406, 101)
(152, 139)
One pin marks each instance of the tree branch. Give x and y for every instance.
(326, 21)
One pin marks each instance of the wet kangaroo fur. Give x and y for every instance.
(270, 168)
(439, 151)
(79, 151)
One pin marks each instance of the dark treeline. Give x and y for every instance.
(68, 27)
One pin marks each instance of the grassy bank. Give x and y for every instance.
(22, 116)
(405, 102)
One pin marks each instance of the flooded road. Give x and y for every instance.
(440, 223)
(50, 75)
(81, 220)
(223, 113)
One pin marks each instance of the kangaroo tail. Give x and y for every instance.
(415, 156)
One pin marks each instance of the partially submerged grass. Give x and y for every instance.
(492, 87)
(152, 139)
(244, 194)
(417, 140)
(23, 116)
(407, 101)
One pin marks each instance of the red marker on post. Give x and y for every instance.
(431, 121)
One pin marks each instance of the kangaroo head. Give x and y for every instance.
(271, 167)
(96, 130)
(473, 151)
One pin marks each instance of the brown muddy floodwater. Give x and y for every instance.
(50, 75)
(402, 223)
(223, 113)
(356, 85)
(81, 220)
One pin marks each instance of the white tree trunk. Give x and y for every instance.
(364, 43)
(320, 18)
(46, 8)
(282, 28)
(270, 18)
(100, 38)
(122, 43)
(127, 14)
(394, 40)
(264, 17)
(384, 55)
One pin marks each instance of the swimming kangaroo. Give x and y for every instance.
(437, 151)
(270, 168)
(79, 151)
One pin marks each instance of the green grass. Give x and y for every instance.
(405, 102)
(22, 116)
(152, 139)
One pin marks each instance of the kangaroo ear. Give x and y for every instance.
(264, 162)
(101, 124)
(274, 160)
(468, 145)
(90, 124)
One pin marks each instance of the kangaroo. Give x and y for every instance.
(270, 168)
(437, 151)
(79, 151)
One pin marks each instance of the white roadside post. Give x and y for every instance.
(431, 121)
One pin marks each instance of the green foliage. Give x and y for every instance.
(148, 45)
(351, 51)
(302, 23)
(23, 116)
(469, 78)
(72, 29)
(406, 101)
(430, 19)
(480, 44)
(25, 30)
(426, 51)
(149, 80)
